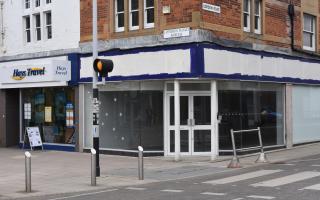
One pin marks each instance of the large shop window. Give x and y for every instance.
(244, 105)
(52, 110)
(131, 118)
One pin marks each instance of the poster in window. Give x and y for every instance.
(48, 114)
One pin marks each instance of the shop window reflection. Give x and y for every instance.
(48, 112)
(245, 105)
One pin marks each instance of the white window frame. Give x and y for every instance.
(37, 3)
(257, 15)
(36, 28)
(148, 25)
(47, 26)
(130, 16)
(27, 4)
(116, 13)
(313, 32)
(48, 1)
(248, 15)
(26, 30)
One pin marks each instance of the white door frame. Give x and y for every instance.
(168, 127)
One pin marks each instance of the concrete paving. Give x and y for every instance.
(56, 172)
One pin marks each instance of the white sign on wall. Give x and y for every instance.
(211, 8)
(174, 33)
(55, 71)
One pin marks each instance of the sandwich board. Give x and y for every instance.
(34, 136)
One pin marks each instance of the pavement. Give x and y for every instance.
(55, 172)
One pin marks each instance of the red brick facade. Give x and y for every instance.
(226, 25)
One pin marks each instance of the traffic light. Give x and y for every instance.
(103, 66)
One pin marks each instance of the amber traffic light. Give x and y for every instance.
(103, 66)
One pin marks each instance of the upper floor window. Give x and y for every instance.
(309, 40)
(27, 4)
(246, 15)
(48, 25)
(119, 15)
(48, 1)
(134, 14)
(257, 16)
(38, 3)
(252, 23)
(27, 30)
(37, 21)
(148, 13)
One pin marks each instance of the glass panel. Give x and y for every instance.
(253, 105)
(184, 110)
(135, 19)
(307, 39)
(308, 24)
(121, 20)
(48, 18)
(27, 22)
(246, 5)
(131, 118)
(202, 140)
(245, 20)
(257, 7)
(256, 22)
(120, 5)
(184, 141)
(37, 20)
(47, 108)
(190, 87)
(202, 110)
(195, 87)
(134, 4)
(149, 3)
(150, 15)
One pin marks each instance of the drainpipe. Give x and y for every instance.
(291, 15)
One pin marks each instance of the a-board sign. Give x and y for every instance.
(34, 136)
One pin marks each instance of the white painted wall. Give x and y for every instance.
(227, 62)
(65, 26)
(171, 62)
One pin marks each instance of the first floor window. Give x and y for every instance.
(148, 13)
(48, 25)
(27, 4)
(119, 15)
(48, 1)
(246, 15)
(37, 3)
(309, 32)
(257, 16)
(37, 26)
(134, 14)
(27, 29)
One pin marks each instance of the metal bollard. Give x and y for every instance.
(234, 163)
(140, 163)
(93, 167)
(28, 170)
(262, 156)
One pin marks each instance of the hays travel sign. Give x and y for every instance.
(56, 71)
(19, 75)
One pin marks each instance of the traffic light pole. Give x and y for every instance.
(95, 92)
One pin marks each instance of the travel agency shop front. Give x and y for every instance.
(200, 91)
(40, 93)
